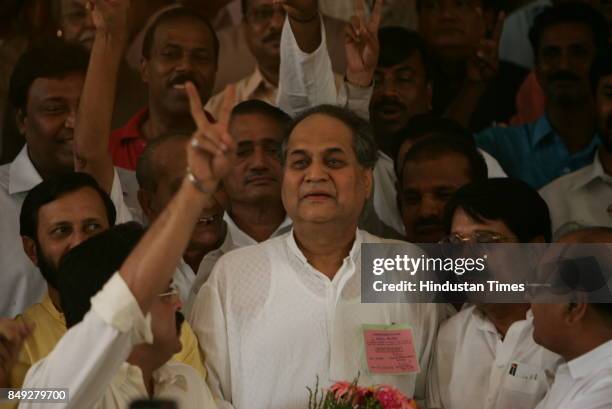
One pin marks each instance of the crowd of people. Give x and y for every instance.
(186, 187)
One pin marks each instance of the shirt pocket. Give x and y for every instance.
(522, 393)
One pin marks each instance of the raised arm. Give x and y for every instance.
(93, 126)
(306, 77)
(210, 156)
(482, 68)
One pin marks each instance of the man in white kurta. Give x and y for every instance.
(274, 316)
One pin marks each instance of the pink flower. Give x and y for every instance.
(341, 389)
(391, 398)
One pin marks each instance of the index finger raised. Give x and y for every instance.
(376, 16)
(195, 105)
(359, 10)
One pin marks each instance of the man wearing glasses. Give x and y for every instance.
(493, 343)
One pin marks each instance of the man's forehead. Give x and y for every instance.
(184, 31)
(413, 62)
(68, 85)
(445, 169)
(86, 200)
(567, 32)
(320, 132)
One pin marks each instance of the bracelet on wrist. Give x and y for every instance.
(304, 20)
(197, 183)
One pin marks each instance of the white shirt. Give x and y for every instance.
(514, 44)
(21, 284)
(269, 323)
(242, 239)
(475, 369)
(583, 197)
(205, 268)
(583, 383)
(90, 359)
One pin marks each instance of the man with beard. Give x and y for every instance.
(57, 215)
(179, 46)
(262, 25)
(477, 348)
(429, 173)
(585, 196)
(566, 39)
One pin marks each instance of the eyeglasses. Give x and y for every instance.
(170, 294)
(477, 237)
(263, 14)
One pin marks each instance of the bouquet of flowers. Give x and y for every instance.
(346, 395)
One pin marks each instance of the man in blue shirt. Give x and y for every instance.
(566, 39)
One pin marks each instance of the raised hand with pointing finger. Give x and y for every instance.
(211, 153)
(361, 44)
(484, 64)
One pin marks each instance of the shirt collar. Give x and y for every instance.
(48, 305)
(484, 324)
(255, 82)
(589, 174)
(23, 176)
(354, 254)
(132, 128)
(590, 362)
(541, 130)
(164, 375)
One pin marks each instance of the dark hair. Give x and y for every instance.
(176, 13)
(424, 125)
(146, 169)
(257, 107)
(397, 44)
(51, 58)
(602, 67)
(436, 145)
(364, 144)
(571, 12)
(52, 189)
(85, 269)
(511, 201)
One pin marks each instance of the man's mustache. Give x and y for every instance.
(428, 222)
(383, 103)
(183, 78)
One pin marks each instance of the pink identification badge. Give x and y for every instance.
(390, 349)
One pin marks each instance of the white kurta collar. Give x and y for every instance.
(23, 176)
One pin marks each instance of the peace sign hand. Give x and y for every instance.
(361, 44)
(483, 66)
(211, 153)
